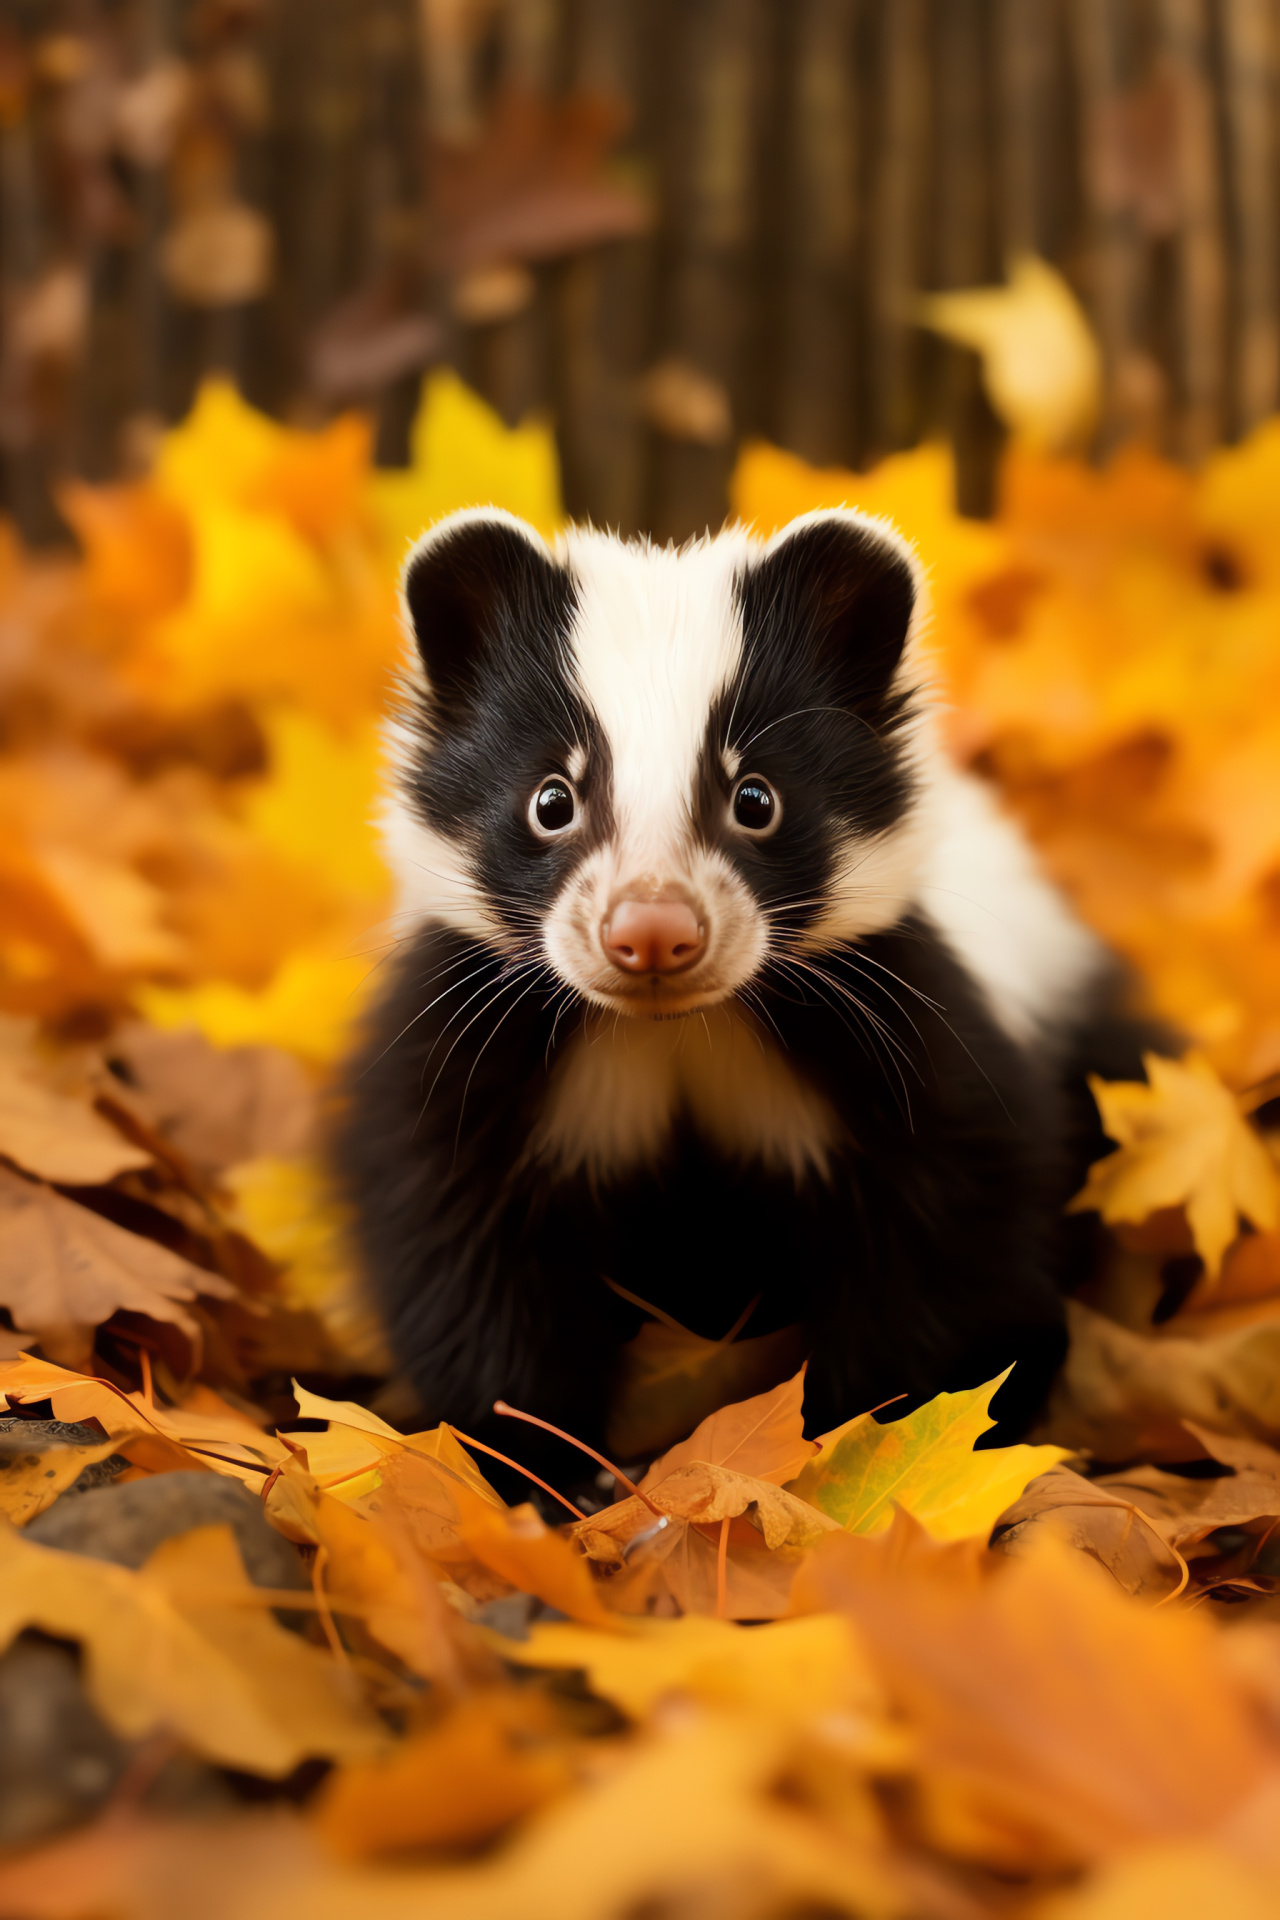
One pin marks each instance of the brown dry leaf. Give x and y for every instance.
(218, 254)
(187, 1644)
(763, 1437)
(1098, 1519)
(64, 1270)
(215, 1106)
(533, 186)
(514, 1543)
(1183, 1140)
(1123, 1396)
(672, 1565)
(1058, 1722)
(494, 1757)
(671, 1379)
(732, 1465)
(372, 1571)
(204, 1433)
(708, 1494)
(685, 1823)
(374, 336)
(428, 1496)
(48, 1130)
(31, 1481)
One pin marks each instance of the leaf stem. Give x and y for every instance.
(493, 1454)
(722, 1572)
(514, 1413)
(327, 1620)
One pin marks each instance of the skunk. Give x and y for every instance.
(719, 984)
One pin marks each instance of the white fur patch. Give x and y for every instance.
(620, 1085)
(655, 640)
(980, 886)
(433, 877)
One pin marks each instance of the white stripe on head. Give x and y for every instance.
(656, 639)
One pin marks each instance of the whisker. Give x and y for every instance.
(463, 1033)
(462, 1105)
(893, 1046)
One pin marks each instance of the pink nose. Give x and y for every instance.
(653, 936)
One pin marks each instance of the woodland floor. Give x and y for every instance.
(273, 1653)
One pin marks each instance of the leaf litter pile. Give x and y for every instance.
(272, 1651)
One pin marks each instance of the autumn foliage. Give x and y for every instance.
(885, 1673)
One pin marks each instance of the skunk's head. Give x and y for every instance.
(654, 771)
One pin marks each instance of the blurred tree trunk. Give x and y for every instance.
(816, 263)
(814, 165)
(1249, 62)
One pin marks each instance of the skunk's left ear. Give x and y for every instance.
(843, 588)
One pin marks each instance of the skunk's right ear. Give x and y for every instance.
(479, 582)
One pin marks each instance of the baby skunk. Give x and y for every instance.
(719, 982)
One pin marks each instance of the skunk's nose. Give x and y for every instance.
(652, 936)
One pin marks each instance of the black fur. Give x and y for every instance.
(933, 1258)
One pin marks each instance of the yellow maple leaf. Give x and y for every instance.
(464, 455)
(220, 449)
(180, 1644)
(926, 1464)
(317, 807)
(1183, 1142)
(1040, 362)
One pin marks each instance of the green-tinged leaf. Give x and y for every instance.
(925, 1463)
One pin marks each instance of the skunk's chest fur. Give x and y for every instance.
(618, 1099)
(718, 988)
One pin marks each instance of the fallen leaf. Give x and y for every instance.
(763, 1437)
(1186, 1881)
(185, 1644)
(516, 1544)
(797, 1668)
(673, 1565)
(708, 1494)
(32, 1481)
(729, 1844)
(205, 1434)
(1097, 1519)
(493, 1758)
(64, 1270)
(925, 1464)
(1059, 1722)
(215, 1106)
(373, 1570)
(48, 1131)
(671, 1379)
(1124, 1396)
(1183, 1139)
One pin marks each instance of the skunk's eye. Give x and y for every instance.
(553, 808)
(756, 806)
